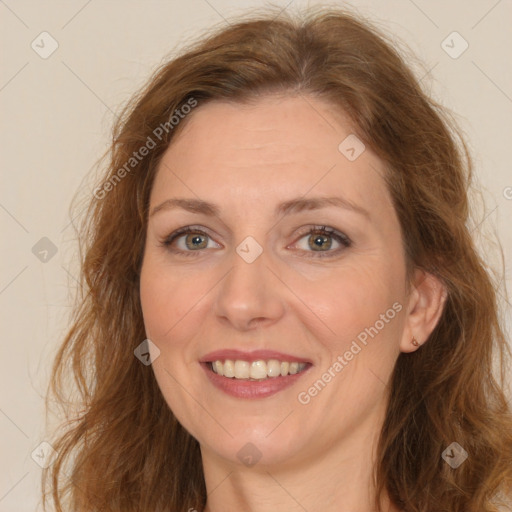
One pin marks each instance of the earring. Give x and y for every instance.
(415, 342)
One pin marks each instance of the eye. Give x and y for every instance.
(194, 239)
(319, 240)
(190, 240)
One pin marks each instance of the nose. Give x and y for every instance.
(250, 295)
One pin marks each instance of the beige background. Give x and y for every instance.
(56, 116)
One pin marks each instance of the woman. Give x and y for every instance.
(283, 306)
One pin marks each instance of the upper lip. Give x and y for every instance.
(255, 355)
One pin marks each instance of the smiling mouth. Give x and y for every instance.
(255, 370)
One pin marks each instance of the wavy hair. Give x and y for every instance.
(121, 449)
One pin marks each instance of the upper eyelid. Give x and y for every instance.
(300, 213)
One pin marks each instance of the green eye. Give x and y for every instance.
(319, 241)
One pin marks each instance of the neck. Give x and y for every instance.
(338, 480)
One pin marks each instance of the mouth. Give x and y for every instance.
(258, 374)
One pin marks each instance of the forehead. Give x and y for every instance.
(275, 148)
(293, 128)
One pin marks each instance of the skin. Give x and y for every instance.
(247, 159)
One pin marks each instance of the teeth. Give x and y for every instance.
(257, 370)
(242, 369)
(228, 368)
(273, 368)
(218, 368)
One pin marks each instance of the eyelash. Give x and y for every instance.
(320, 230)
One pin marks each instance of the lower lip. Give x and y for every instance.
(251, 389)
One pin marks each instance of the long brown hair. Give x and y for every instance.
(121, 448)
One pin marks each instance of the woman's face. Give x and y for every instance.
(257, 288)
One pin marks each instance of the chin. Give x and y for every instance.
(261, 444)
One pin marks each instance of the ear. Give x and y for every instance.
(424, 309)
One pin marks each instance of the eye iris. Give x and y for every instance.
(318, 240)
(195, 238)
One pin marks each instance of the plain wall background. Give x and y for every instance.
(57, 113)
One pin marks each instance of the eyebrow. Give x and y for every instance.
(285, 208)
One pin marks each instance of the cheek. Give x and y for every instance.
(165, 298)
(353, 298)
(165, 303)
